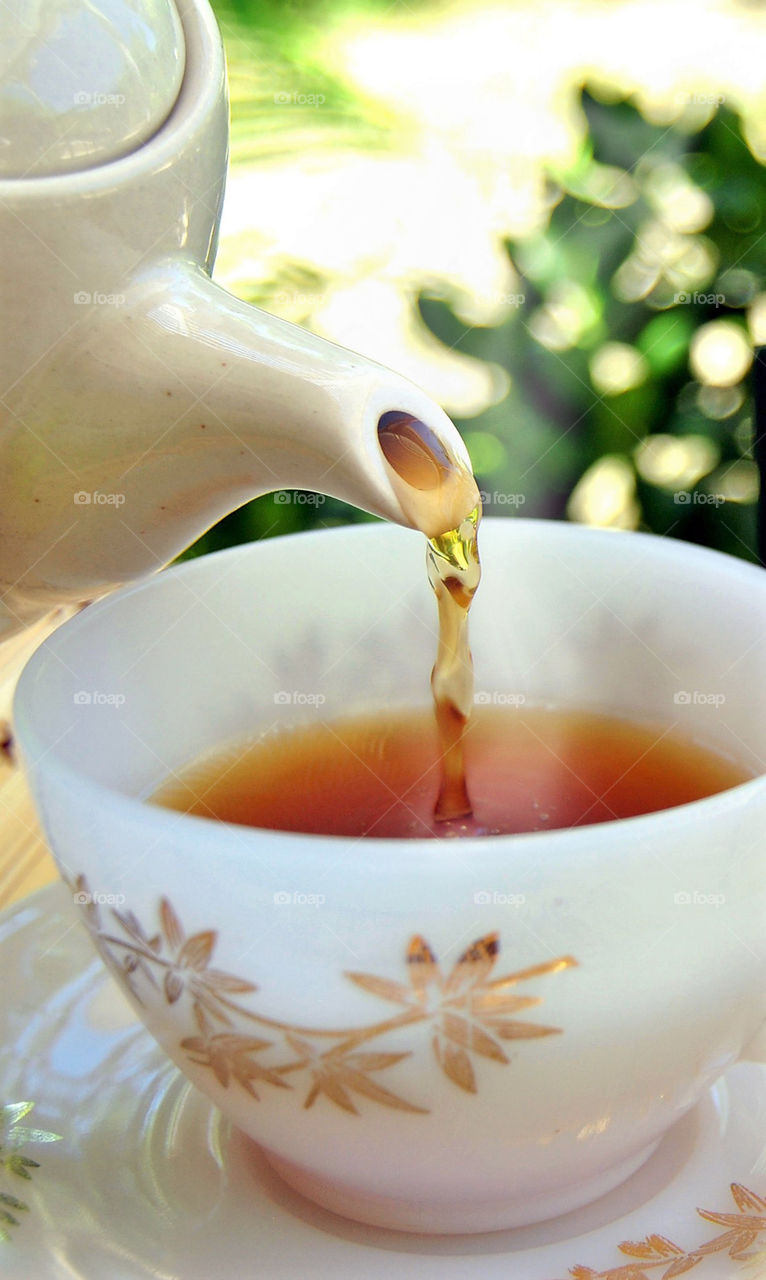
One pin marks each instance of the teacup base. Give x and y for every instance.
(453, 1217)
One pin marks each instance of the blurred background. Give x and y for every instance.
(551, 214)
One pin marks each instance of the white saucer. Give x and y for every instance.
(150, 1181)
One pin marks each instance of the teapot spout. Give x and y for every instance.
(172, 404)
(266, 405)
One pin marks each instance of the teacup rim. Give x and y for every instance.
(140, 809)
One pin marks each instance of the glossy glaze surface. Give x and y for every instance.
(142, 401)
(546, 1005)
(82, 84)
(196, 1199)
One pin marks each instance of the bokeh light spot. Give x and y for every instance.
(617, 367)
(720, 354)
(675, 462)
(605, 495)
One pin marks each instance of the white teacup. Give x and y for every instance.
(292, 977)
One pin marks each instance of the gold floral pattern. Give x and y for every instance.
(657, 1258)
(14, 1136)
(471, 1014)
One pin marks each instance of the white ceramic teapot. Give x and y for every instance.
(140, 402)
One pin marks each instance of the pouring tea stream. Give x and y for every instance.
(140, 401)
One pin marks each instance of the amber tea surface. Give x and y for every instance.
(529, 769)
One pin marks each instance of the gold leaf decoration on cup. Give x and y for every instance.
(471, 1014)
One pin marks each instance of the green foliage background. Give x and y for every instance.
(554, 424)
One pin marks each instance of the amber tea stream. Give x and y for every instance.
(407, 773)
(418, 458)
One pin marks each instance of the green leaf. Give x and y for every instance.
(11, 1202)
(20, 1165)
(13, 1162)
(12, 1112)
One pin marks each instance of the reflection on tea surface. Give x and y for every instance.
(530, 769)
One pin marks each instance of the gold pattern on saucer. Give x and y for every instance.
(661, 1258)
(471, 1015)
(14, 1136)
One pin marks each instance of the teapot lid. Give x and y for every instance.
(82, 83)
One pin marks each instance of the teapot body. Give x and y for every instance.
(79, 256)
(141, 402)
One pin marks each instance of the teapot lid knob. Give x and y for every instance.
(82, 84)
